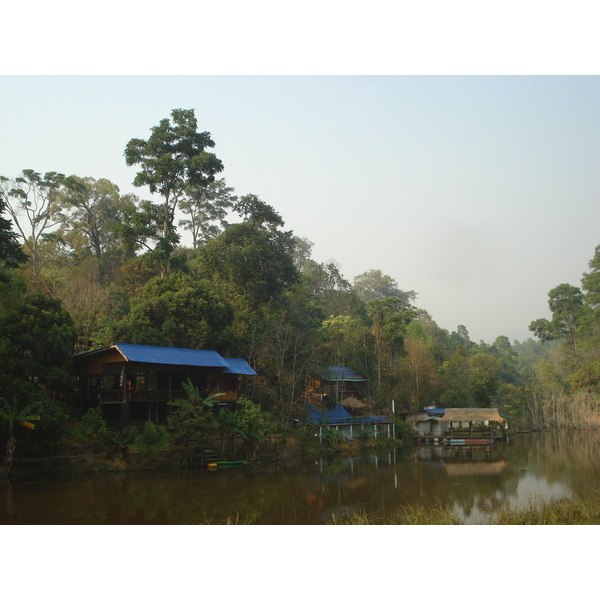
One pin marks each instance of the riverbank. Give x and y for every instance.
(79, 460)
(577, 511)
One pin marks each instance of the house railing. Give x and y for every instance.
(358, 421)
(162, 396)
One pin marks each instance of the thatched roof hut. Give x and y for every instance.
(474, 415)
(353, 403)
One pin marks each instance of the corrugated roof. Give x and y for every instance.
(238, 366)
(422, 417)
(165, 355)
(435, 411)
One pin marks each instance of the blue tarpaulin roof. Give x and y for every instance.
(339, 373)
(337, 416)
(316, 415)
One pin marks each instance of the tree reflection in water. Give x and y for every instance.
(476, 482)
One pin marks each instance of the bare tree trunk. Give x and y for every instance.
(10, 451)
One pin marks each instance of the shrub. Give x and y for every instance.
(151, 441)
(93, 428)
(193, 426)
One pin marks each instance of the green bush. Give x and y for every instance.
(333, 437)
(93, 429)
(193, 426)
(151, 441)
(256, 426)
(404, 431)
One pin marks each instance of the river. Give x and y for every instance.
(476, 483)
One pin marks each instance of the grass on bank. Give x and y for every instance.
(578, 511)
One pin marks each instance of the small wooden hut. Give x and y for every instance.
(458, 423)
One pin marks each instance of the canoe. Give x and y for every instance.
(225, 463)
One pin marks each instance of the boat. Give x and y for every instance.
(471, 441)
(225, 463)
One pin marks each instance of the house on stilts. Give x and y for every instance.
(131, 382)
(458, 426)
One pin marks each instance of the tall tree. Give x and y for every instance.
(32, 202)
(390, 318)
(590, 282)
(567, 308)
(419, 367)
(37, 339)
(81, 292)
(173, 159)
(206, 208)
(11, 254)
(253, 267)
(286, 349)
(374, 285)
(143, 227)
(330, 286)
(90, 210)
(178, 311)
(258, 213)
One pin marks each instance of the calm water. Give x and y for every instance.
(476, 483)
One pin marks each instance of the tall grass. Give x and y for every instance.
(578, 511)
(411, 514)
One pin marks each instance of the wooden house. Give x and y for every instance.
(132, 382)
(335, 383)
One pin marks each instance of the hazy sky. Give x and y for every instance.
(480, 193)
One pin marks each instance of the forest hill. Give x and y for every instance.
(82, 265)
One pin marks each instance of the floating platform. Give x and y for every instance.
(457, 441)
(470, 441)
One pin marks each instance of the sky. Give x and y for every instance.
(479, 193)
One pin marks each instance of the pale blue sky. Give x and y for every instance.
(480, 193)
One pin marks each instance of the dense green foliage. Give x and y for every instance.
(102, 267)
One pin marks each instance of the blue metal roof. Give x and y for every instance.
(165, 355)
(340, 373)
(435, 411)
(238, 366)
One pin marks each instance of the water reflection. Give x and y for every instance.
(476, 482)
